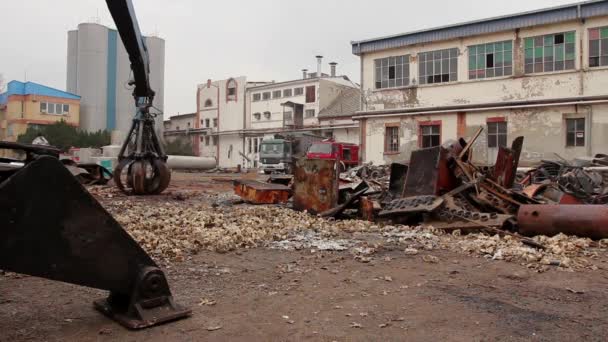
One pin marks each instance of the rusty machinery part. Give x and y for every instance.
(142, 177)
(582, 220)
(316, 185)
(51, 227)
(256, 192)
(412, 205)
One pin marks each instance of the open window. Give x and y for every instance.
(231, 90)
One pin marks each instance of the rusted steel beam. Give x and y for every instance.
(261, 193)
(582, 220)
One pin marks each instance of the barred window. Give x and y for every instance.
(287, 92)
(438, 66)
(392, 72)
(257, 97)
(552, 52)
(266, 95)
(491, 60)
(276, 94)
(598, 47)
(309, 113)
(575, 132)
(391, 143)
(298, 91)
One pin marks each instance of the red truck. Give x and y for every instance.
(346, 153)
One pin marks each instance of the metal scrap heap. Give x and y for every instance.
(442, 188)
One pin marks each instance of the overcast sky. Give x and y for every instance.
(261, 39)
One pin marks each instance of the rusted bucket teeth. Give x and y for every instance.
(51, 227)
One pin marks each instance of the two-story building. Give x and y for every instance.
(29, 104)
(541, 74)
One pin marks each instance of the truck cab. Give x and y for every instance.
(346, 153)
(275, 155)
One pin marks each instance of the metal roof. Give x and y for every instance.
(550, 15)
(31, 88)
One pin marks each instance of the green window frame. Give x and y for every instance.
(598, 47)
(551, 52)
(438, 66)
(491, 60)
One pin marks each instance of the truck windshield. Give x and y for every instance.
(269, 148)
(320, 148)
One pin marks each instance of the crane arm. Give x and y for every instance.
(126, 23)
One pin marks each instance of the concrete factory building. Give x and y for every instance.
(98, 69)
(29, 104)
(542, 75)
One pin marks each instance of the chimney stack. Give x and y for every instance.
(319, 63)
(209, 83)
(304, 73)
(333, 68)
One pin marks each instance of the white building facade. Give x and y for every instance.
(542, 75)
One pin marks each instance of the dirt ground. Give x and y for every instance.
(264, 294)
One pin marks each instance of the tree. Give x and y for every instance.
(179, 147)
(64, 136)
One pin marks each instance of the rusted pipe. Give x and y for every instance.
(582, 220)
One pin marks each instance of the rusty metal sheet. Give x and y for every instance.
(582, 220)
(396, 183)
(429, 173)
(366, 208)
(315, 185)
(256, 192)
(507, 161)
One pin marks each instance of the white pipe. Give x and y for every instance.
(191, 163)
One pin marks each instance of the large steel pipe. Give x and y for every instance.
(582, 220)
(191, 163)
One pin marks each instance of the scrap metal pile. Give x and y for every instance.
(441, 187)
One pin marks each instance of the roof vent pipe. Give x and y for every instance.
(319, 63)
(333, 68)
(304, 73)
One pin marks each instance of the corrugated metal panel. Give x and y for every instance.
(548, 16)
(31, 88)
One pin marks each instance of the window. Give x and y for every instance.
(257, 116)
(392, 72)
(575, 132)
(188, 125)
(177, 128)
(431, 135)
(552, 52)
(250, 142)
(66, 109)
(266, 95)
(43, 107)
(287, 92)
(276, 94)
(497, 134)
(267, 115)
(310, 94)
(208, 103)
(207, 123)
(391, 142)
(491, 60)
(309, 113)
(598, 47)
(298, 91)
(438, 66)
(255, 145)
(215, 140)
(214, 122)
(257, 97)
(206, 140)
(231, 90)
(288, 115)
(54, 108)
